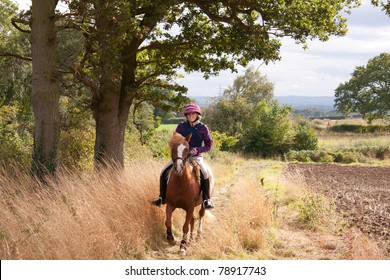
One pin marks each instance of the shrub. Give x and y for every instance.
(357, 128)
(77, 148)
(158, 144)
(313, 210)
(15, 142)
(349, 157)
(270, 131)
(305, 138)
(321, 156)
(222, 141)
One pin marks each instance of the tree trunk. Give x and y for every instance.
(111, 110)
(110, 130)
(45, 87)
(112, 103)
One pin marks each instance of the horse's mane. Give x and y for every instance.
(176, 139)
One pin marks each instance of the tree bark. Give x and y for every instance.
(118, 83)
(112, 102)
(45, 87)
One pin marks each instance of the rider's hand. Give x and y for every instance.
(194, 151)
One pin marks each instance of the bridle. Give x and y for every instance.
(183, 164)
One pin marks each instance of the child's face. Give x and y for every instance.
(192, 117)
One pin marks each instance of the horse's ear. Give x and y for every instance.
(188, 138)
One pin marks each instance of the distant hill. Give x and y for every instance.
(297, 102)
(302, 102)
(202, 101)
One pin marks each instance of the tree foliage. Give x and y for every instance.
(385, 5)
(133, 49)
(269, 131)
(251, 86)
(232, 111)
(15, 78)
(305, 138)
(368, 90)
(253, 122)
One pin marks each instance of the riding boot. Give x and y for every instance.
(207, 203)
(163, 188)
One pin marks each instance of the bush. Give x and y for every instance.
(77, 148)
(314, 210)
(321, 156)
(222, 141)
(15, 142)
(305, 138)
(269, 132)
(326, 156)
(350, 157)
(357, 128)
(159, 145)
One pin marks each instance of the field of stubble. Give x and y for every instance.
(360, 193)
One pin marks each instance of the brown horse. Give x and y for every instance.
(183, 190)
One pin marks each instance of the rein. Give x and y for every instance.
(183, 164)
(175, 159)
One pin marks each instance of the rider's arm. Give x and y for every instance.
(206, 137)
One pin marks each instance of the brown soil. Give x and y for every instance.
(360, 193)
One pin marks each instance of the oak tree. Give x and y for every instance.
(368, 90)
(135, 47)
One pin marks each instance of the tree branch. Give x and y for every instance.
(205, 7)
(15, 22)
(7, 54)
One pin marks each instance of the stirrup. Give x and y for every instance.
(157, 201)
(208, 204)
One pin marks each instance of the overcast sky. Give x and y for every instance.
(316, 71)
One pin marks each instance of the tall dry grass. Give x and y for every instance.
(105, 215)
(108, 215)
(361, 247)
(240, 225)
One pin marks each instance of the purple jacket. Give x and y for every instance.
(200, 135)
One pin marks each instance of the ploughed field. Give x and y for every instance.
(360, 193)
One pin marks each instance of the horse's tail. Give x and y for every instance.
(208, 216)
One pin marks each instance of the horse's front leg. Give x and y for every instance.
(186, 226)
(168, 223)
(192, 224)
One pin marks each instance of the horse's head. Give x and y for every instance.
(179, 151)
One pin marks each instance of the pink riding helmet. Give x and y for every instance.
(192, 108)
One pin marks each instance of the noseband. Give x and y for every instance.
(183, 164)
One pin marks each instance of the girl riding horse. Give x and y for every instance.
(200, 135)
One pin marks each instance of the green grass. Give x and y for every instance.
(167, 127)
(334, 141)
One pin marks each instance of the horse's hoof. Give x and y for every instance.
(182, 252)
(171, 242)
